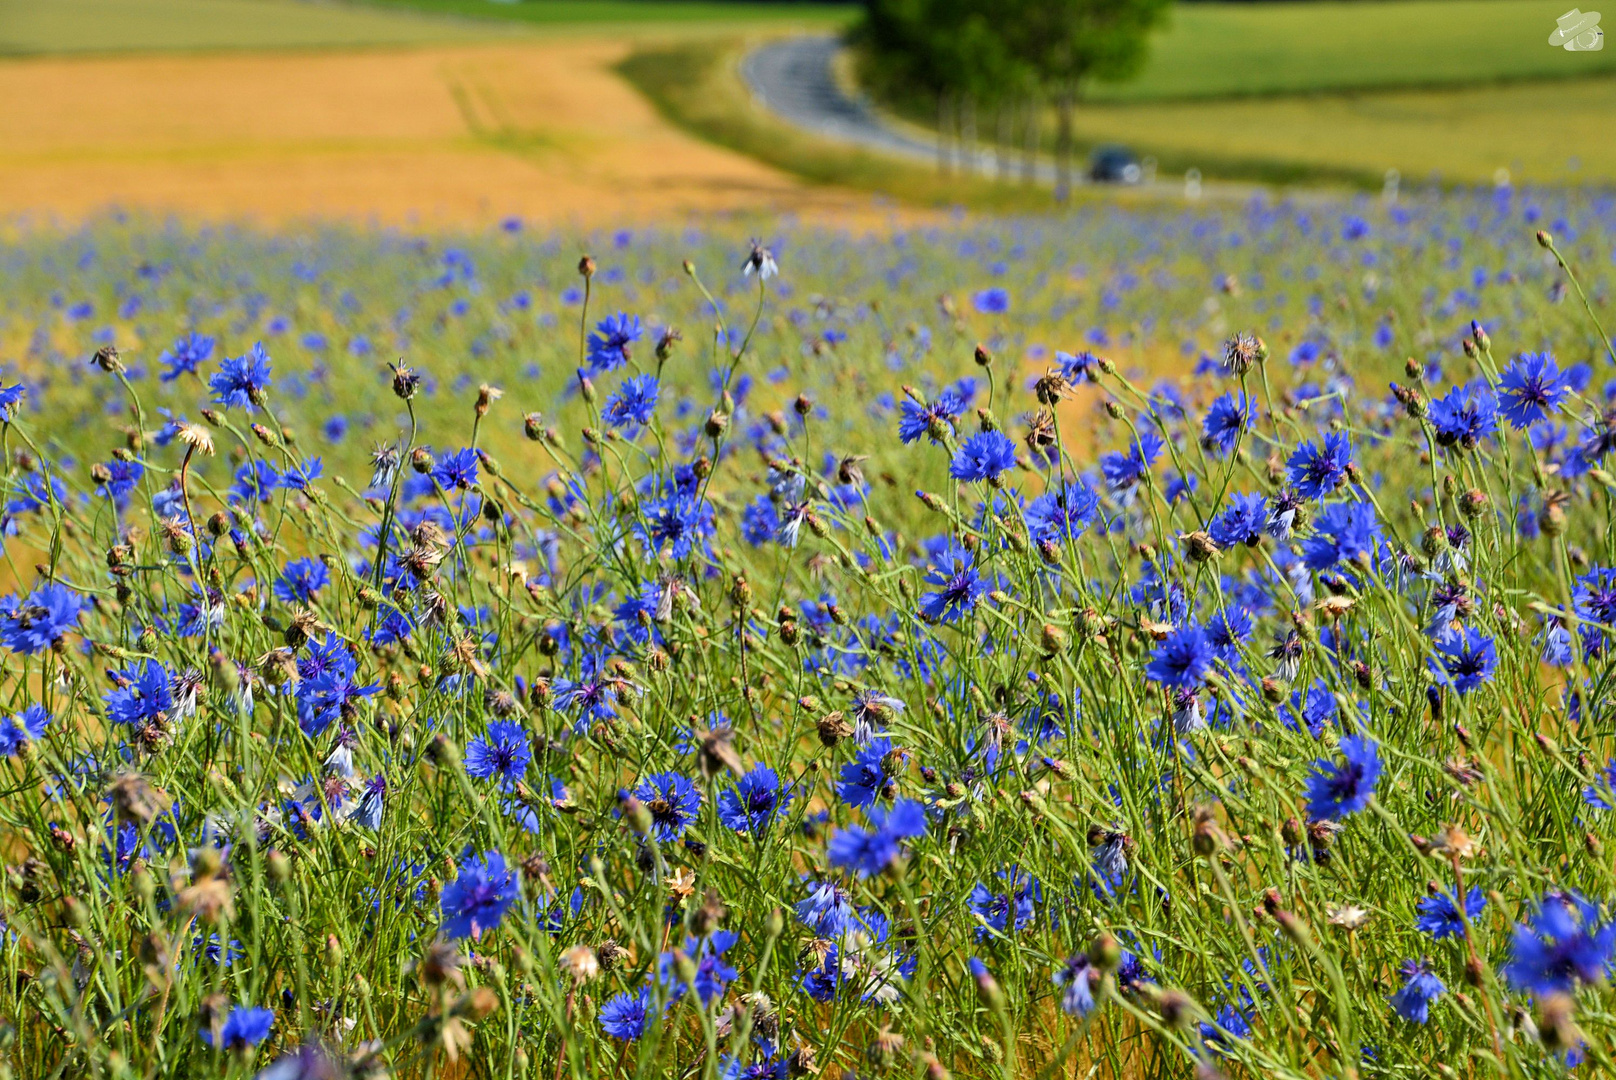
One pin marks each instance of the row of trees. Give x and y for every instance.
(1000, 54)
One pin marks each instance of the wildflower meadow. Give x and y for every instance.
(1153, 642)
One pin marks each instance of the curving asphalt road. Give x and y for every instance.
(792, 78)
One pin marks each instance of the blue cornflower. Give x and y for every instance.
(959, 586)
(1243, 522)
(188, 352)
(609, 345)
(457, 469)
(828, 911)
(301, 579)
(335, 429)
(1565, 944)
(1078, 977)
(869, 852)
(1338, 789)
(1464, 416)
(1531, 388)
(676, 522)
(10, 398)
(255, 480)
(935, 419)
(1227, 631)
(25, 727)
(1006, 911)
(1347, 532)
(994, 301)
(1413, 1001)
(1440, 918)
(760, 522)
(1123, 471)
(754, 801)
(713, 973)
(241, 381)
(634, 403)
(1601, 794)
(39, 622)
(501, 754)
(247, 1025)
(673, 802)
(122, 476)
(143, 695)
(1316, 469)
(1226, 419)
(626, 1016)
(1314, 711)
(1062, 513)
(477, 899)
(866, 777)
(1229, 1023)
(299, 477)
(1183, 659)
(1467, 659)
(983, 456)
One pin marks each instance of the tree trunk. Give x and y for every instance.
(968, 135)
(1031, 129)
(1004, 117)
(942, 132)
(1063, 145)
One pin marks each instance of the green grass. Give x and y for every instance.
(693, 84)
(1219, 50)
(57, 26)
(608, 12)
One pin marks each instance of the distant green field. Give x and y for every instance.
(29, 27)
(1219, 50)
(55, 26)
(586, 12)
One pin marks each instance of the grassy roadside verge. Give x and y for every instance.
(694, 85)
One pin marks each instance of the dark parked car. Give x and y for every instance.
(1114, 165)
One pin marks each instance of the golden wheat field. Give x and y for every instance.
(539, 128)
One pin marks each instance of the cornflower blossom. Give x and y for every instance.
(240, 382)
(1244, 521)
(1337, 789)
(188, 352)
(27, 726)
(1227, 418)
(985, 456)
(40, 621)
(1439, 917)
(1465, 416)
(958, 586)
(1317, 469)
(1466, 659)
(1183, 659)
(626, 1016)
(1530, 389)
(502, 754)
(477, 899)
(870, 852)
(1420, 988)
(301, 580)
(754, 802)
(611, 345)
(1565, 943)
(632, 405)
(673, 802)
(245, 1026)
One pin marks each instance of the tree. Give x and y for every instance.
(945, 51)
(1068, 43)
